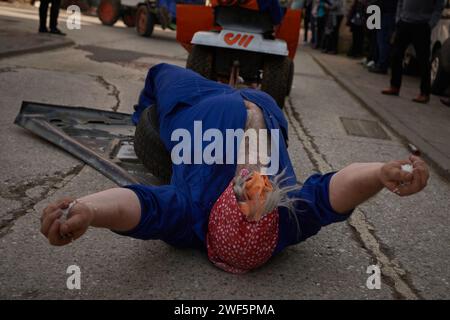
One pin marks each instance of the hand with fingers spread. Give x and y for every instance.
(402, 182)
(59, 232)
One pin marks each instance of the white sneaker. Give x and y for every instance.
(370, 64)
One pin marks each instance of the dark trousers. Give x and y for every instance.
(320, 28)
(384, 40)
(313, 29)
(330, 41)
(419, 36)
(306, 21)
(373, 46)
(54, 12)
(357, 41)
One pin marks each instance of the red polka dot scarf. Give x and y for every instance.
(236, 244)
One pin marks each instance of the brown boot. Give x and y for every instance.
(421, 98)
(446, 102)
(391, 91)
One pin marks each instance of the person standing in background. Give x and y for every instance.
(321, 18)
(334, 18)
(415, 20)
(307, 19)
(314, 6)
(388, 10)
(372, 54)
(356, 22)
(54, 12)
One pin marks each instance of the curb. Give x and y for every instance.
(406, 135)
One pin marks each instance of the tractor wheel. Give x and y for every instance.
(439, 78)
(276, 77)
(129, 17)
(145, 21)
(108, 11)
(200, 60)
(291, 76)
(149, 147)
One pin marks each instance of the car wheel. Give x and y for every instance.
(149, 147)
(108, 12)
(439, 78)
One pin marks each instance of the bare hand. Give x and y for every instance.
(61, 233)
(401, 182)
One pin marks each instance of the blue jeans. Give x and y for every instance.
(384, 40)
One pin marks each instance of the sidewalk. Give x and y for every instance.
(425, 126)
(14, 40)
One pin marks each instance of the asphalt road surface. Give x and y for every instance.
(105, 69)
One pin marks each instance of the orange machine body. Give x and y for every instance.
(193, 18)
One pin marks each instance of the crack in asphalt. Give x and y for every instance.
(393, 275)
(113, 91)
(19, 192)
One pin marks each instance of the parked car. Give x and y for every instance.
(439, 36)
(440, 53)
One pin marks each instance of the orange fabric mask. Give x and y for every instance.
(256, 189)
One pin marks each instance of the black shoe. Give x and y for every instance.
(378, 70)
(43, 30)
(58, 32)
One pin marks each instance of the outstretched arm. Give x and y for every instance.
(117, 209)
(358, 182)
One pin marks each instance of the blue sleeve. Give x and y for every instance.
(165, 215)
(312, 212)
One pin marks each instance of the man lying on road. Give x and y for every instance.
(237, 210)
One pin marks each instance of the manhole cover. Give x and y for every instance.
(364, 128)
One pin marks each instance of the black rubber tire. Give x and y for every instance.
(441, 81)
(129, 17)
(145, 21)
(276, 78)
(149, 147)
(291, 76)
(200, 60)
(109, 11)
